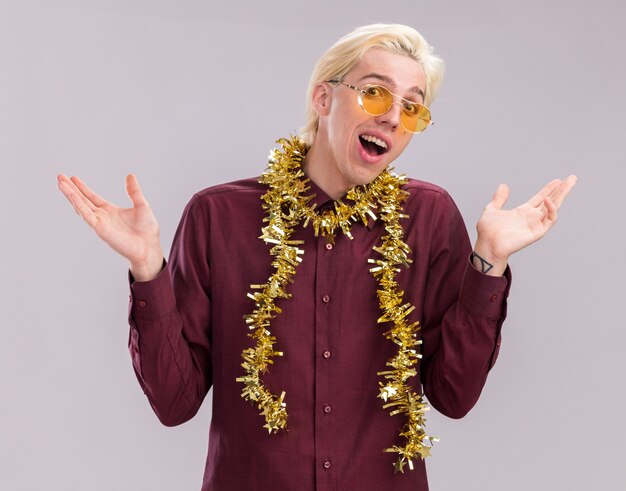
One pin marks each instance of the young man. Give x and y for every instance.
(363, 293)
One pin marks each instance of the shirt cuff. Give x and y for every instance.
(483, 294)
(152, 299)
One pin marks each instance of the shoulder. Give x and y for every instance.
(433, 213)
(430, 204)
(422, 192)
(234, 189)
(236, 192)
(226, 200)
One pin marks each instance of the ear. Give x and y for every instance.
(321, 98)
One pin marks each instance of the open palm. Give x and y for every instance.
(132, 232)
(504, 232)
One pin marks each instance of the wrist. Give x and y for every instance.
(486, 261)
(149, 267)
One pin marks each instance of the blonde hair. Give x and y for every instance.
(341, 57)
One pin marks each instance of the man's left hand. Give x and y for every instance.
(504, 232)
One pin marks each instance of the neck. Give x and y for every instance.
(320, 168)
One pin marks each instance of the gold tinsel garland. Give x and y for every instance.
(286, 206)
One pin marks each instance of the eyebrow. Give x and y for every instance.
(390, 81)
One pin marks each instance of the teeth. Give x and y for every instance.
(375, 140)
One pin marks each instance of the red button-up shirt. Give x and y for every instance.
(187, 333)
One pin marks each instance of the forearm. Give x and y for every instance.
(164, 361)
(463, 348)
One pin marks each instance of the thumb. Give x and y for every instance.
(134, 191)
(500, 197)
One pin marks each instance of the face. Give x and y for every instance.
(345, 134)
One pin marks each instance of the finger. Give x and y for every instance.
(563, 190)
(499, 197)
(77, 191)
(79, 205)
(62, 179)
(551, 211)
(87, 192)
(67, 192)
(547, 190)
(134, 191)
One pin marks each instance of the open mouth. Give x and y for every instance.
(373, 146)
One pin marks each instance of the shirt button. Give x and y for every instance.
(327, 408)
(142, 303)
(326, 354)
(329, 246)
(325, 299)
(327, 464)
(494, 297)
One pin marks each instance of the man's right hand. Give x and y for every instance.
(132, 232)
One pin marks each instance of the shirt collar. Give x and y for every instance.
(320, 198)
(323, 201)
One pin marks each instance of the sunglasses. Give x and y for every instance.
(377, 100)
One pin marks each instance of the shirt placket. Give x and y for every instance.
(325, 351)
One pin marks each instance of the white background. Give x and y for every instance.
(188, 94)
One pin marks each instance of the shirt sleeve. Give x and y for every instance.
(463, 315)
(169, 317)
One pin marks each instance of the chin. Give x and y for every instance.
(363, 180)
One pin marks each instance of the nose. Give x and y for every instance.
(392, 117)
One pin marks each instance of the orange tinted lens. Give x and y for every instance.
(415, 117)
(375, 100)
